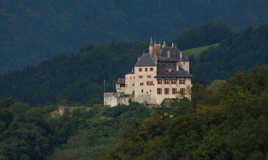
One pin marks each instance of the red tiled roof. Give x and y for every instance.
(121, 81)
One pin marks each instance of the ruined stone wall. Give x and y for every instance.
(114, 99)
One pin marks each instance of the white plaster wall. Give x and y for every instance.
(149, 93)
(119, 89)
(130, 83)
(185, 65)
(187, 86)
(110, 99)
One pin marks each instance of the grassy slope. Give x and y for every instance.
(196, 52)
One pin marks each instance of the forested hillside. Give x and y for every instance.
(76, 77)
(80, 77)
(238, 53)
(33, 30)
(33, 133)
(227, 120)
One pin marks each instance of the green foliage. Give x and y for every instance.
(34, 133)
(78, 79)
(231, 125)
(30, 132)
(203, 35)
(99, 127)
(72, 80)
(238, 53)
(35, 31)
(197, 52)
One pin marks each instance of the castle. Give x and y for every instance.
(163, 73)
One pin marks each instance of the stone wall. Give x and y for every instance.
(114, 99)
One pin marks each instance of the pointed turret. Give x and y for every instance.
(151, 46)
(180, 55)
(151, 41)
(164, 45)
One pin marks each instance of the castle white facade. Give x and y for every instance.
(162, 73)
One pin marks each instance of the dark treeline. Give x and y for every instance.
(79, 78)
(224, 121)
(239, 52)
(31, 31)
(203, 35)
(31, 133)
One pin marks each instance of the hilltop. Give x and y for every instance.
(79, 77)
(32, 31)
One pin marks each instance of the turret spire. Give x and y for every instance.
(151, 40)
(164, 44)
(172, 44)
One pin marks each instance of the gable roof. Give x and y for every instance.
(145, 60)
(173, 53)
(170, 54)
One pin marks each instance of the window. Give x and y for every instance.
(141, 84)
(166, 81)
(140, 69)
(142, 91)
(174, 90)
(166, 90)
(146, 69)
(159, 81)
(150, 83)
(149, 76)
(182, 91)
(173, 81)
(182, 81)
(140, 77)
(159, 90)
(151, 69)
